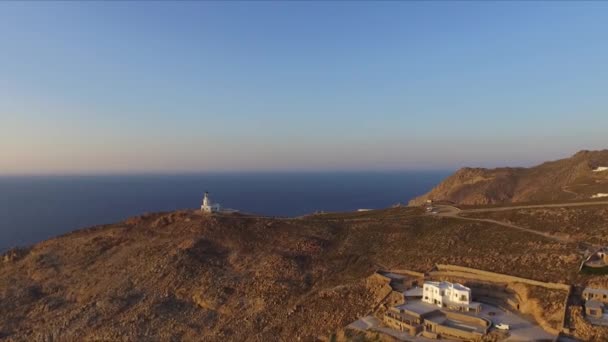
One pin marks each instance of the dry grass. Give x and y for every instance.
(588, 224)
(567, 179)
(187, 276)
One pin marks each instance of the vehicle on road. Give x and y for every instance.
(502, 326)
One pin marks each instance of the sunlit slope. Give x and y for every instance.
(570, 179)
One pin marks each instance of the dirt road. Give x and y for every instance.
(450, 211)
(537, 206)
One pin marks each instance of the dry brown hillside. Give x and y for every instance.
(187, 276)
(566, 179)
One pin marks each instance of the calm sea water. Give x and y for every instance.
(37, 208)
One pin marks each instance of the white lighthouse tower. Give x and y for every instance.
(207, 206)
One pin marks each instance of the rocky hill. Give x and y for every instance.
(573, 178)
(189, 276)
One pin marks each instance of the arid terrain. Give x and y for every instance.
(569, 179)
(185, 275)
(587, 224)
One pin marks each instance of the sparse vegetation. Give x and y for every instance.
(588, 224)
(185, 275)
(569, 179)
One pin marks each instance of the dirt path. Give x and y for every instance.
(536, 206)
(528, 230)
(453, 212)
(450, 211)
(568, 191)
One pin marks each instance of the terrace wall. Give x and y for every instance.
(466, 272)
(467, 318)
(396, 324)
(443, 330)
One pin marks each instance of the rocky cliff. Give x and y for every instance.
(573, 178)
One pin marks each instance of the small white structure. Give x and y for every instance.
(207, 206)
(599, 195)
(600, 169)
(450, 295)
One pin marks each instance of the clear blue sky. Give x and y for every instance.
(209, 86)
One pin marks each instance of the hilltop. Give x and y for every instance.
(186, 275)
(574, 178)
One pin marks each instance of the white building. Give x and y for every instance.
(207, 206)
(450, 295)
(600, 169)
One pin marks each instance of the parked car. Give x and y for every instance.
(502, 326)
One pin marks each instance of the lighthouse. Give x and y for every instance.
(207, 206)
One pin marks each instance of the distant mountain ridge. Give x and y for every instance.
(571, 178)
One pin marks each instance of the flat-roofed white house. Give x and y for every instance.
(449, 295)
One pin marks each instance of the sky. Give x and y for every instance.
(132, 87)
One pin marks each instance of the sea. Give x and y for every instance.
(35, 208)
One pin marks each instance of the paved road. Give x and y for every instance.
(521, 328)
(450, 211)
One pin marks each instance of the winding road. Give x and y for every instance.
(454, 212)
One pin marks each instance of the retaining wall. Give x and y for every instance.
(467, 318)
(466, 272)
(443, 330)
(408, 272)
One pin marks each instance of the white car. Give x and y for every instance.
(502, 326)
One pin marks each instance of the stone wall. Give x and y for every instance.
(446, 331)
(512, 292)
(413, 330)
(408, 272)
(467, 318)
(466, 272)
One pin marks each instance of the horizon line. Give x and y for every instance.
(216, 172)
